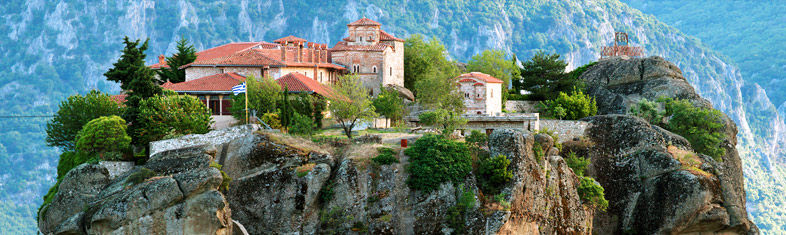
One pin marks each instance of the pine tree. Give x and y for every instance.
(544, 76)
(185, 54)
(136, 79)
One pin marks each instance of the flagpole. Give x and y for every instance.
(246, 93)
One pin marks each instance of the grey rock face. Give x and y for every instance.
(543, 193)
(618, 83)
(181, 198)
(655, 184)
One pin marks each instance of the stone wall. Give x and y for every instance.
(566, 129)
(198, 72)
(521, 106)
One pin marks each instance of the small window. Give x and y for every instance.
(320, 76)
(361, 39)
(391, 71)
(492, 93)
(374, 69)
(466, 95)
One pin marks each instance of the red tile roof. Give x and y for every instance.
(221, 51)
(467, 80)
(217, 82)
(364, 22)
(342, 46)
(300, 83)
(478, 84)
(290, 38)
(251, 57)
(482, 76)
(385, 36)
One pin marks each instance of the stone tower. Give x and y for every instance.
(374, 55)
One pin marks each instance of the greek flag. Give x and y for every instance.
(239, 88)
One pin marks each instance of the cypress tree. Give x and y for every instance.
(136, 79)
(185, 55)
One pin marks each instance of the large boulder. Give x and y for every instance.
(656, 184)
(175, 192)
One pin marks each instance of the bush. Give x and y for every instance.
(702, 127)
(333, 221)
(591, 192)
(493, 174)
(386, 156)
(477, 138)
(103, 135)
(443, 119)
(301, 125)
(578, 164)
(140, 176)
(225, 179)
(74, 113)
(172, 115)
(575, 106)
(271, 119)
(435, 160)
(456, 214)
(326, 192)
(647, 110)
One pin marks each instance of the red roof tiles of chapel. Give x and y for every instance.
(385, 36)
(217, 82)
(221, 51)
(290, 38)
(364, 22)
(481, 76)
(300, 83)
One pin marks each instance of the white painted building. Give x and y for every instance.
(482, 93)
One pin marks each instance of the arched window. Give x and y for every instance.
(391, 71)
(492, 93)
(374, 69)
(361, 39)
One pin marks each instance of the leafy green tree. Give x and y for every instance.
(575, 106)
(578, 164)
(544, 77)
(429, 74)
(185, 55)
(103, 135)
(493, 174)
(172, 115)
(263, 95)
(285, 109)
(389, 104)
(350, 103)
(495, 63)
(446, 120)
(137, 80)
(75, 112)
(434, 160)
(702, 127)
(425, 59)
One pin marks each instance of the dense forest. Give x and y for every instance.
(53, 49)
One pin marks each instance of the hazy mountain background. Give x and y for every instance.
(53, 49)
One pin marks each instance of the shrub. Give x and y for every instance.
(477, 138)
(647, 110)
(271, 119)
(493, 174)
(326, 192)
(301, 125)
(102, 135)
(435, 160)
(225, 179)
(171, 115)
(333, 221)
(591, 192)
(456, 214)
(74, 113)
(578, 164)
(702, 127)
(386, 156)
(443, 119)
(575, 106)
(140, 176)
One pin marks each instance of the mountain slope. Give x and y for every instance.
(54, 49)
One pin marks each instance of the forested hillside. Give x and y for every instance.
(52, 49)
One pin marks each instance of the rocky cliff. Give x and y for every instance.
(655, 181)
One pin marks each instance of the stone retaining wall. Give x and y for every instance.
(521, 106)
(566, 129)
